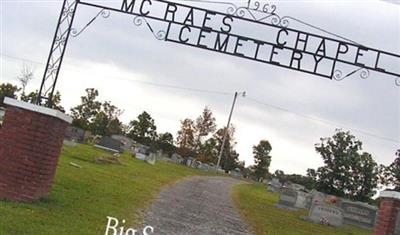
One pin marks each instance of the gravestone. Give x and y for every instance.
(325, 214)
(334, 200)
(127, 143)
(359, 214)
(274, 185)
(141, 151)
(70, 143)
(236, 173)
(317, 197)
(87, 136)
(219, 170)
(176, 158)
(160, 156)
(75, 134)
(110, 144)
(195, 164)
(140, 156)
(189, 161)
(297, 187)
(140, 148)
(287, 199)
(309, 200)
(301, 200)
(151, 158)
(206, 167)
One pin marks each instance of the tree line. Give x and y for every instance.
(199, 138)
(347, 172)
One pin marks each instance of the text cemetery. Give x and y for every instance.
(266, 43)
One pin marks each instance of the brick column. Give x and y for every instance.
(388, 211)
(31, 140)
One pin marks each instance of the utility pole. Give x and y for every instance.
(227, 127)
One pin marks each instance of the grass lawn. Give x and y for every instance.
(257, 206)
(81, 198)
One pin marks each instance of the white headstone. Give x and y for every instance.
(140, 156)
(317, 197)
(324, 214)
(189, 161)
(359, 214)
(70, 143)
(151, 159)
(274, 185)
(287, 199)
(176, 158)
(301, 201)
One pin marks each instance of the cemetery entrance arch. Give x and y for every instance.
(271, 40)
(267, 39)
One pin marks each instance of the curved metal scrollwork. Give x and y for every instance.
(268, 12)
(243, 11)
(105, 13)
(271, 16)
(69, 10)
(364, 74)
(253, 10)
(338, 74)
(159, 35)
(60, 40)
(138, 20)
(397, 81)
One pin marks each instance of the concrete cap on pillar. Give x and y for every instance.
(390, 194)
(39, 109)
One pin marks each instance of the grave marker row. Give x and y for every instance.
(324, 214)
(359, 214)
(327, 209)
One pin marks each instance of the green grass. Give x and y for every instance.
(81, 198)
(257, 207)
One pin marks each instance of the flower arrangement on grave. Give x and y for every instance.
(331, 201)
(324, 221)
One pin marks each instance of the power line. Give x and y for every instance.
(22, 59)
(326, 122)
(178, 87)
(139, 81)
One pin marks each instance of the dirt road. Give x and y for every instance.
(199, 205)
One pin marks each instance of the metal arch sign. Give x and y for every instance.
(253, 32)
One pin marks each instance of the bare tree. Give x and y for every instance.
(26, 74)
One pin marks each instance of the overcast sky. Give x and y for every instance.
(122, 60)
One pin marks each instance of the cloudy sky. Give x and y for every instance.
(137, 72)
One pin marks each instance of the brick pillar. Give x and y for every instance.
(31, 139)
(388, 211)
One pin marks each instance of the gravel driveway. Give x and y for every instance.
(198, 205)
